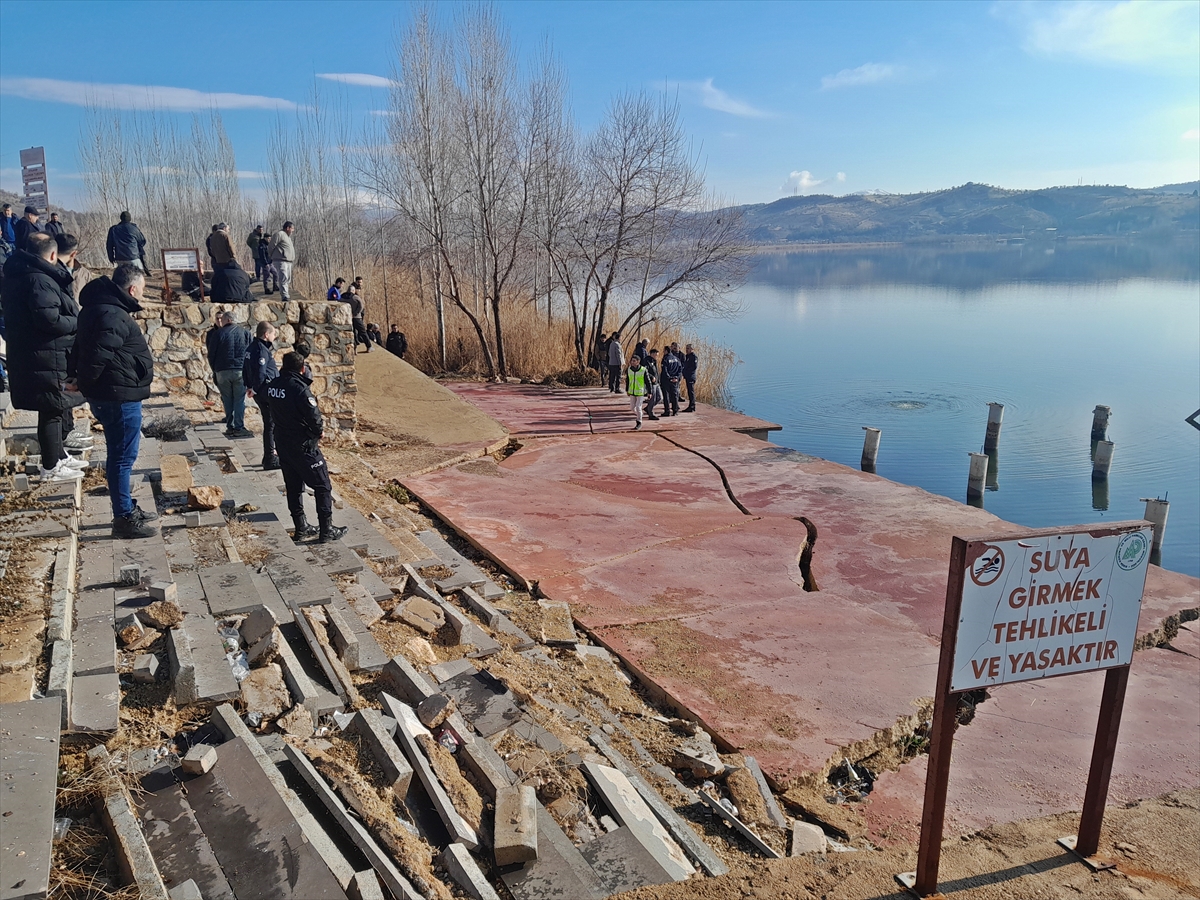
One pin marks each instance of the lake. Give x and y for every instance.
(917, 341)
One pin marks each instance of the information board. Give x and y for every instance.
(181, 260)
(1037, 607)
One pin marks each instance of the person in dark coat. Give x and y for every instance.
(670, 373)
(374, 334)
(357, 320)
(40, 321)
(258, 370)
(653, 389)
(112, 368)
(298, 430)
(230, 284)
(8, 231)
(25, 226)
(126, 243)
(690, 364)
(54, 227)
(397, 343)
(227, 344)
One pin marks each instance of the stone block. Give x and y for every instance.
(700, 756)
(560, 870)
(343, 638)
(187, 890)
(363, 602)
(264, 691)
(95, 646)
(265, 650)
(130, 630)
(807, 838)
(482, 608)
(145, 668)
(461, 865)
(58, 683)
(205, 497)
(516, 839)
(421, 614)
(164, 590)
(191, 520)
(21, 482)
(94, 700)
(371, 726)
(130, 574)
(29, 773)
(484, 701)
(317, 701)
(443, 672)
(628, 808)
(259, 622)
(161, 614)
(774, 813)
(433, 711)
(406, 682)
(199, 759)
(364, 886)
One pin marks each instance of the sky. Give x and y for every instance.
(778, 98)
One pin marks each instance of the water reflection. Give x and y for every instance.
(1100, 495)
(993, 471)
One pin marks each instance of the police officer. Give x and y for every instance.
(298, 428)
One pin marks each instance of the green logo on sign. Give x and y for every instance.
(1131, 550)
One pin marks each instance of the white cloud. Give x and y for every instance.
(359, 79)
(802, 182)
(841, 176)
(133, 96)
(715, 98)
(1192, 134)
(1163, 33)
(251, 175)
(867, 73)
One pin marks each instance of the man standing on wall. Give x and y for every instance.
(126, 243)
(258, 370)
(298, 427)
(252, 241)
(357, 317)
(283, 257)
(112, 368)
(227, 345)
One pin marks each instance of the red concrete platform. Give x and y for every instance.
(1027, 751)
(639, 534)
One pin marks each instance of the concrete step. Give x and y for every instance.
(29, 774)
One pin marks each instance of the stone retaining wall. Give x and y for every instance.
(175, 332)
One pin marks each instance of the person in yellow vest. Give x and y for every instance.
(636, 384)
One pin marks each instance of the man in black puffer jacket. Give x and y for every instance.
(298, 430)
(126, 243)
(112, 368)
(40, 319)
(258, 370)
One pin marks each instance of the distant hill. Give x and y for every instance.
(1185, 187)
(975, 211)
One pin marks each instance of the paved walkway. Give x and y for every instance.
(677, 549)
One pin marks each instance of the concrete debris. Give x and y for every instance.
(259, 622)
(205, 497)
(164, 590)
(130, 575)
(516, 836)
(188, 890)
(266, 649)
(406, 682)
(466, 872)
(755, 841)
(432, 711)
(130, 630)
(421, 614)
(700, 756)
(264, 691)
(806, 838)
(145, 669)
(199, 759)
(134, 860)
(364, 886)
(420, 650)
(380, 741)
(161, 614)
(298, 721)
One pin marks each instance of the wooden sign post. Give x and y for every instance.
(1022, 607)
(181, 259)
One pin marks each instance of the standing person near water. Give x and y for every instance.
(690, 364)
(616, 362)
(636, 383)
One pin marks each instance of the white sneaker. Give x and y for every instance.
(61, 473)
(74, 462)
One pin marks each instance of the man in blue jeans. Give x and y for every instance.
(112, 367)
(227, 345)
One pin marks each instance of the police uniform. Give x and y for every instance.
(298, 428)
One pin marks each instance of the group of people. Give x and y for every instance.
(244, 367)
(365, 332)
(274, 256)
(649, 378)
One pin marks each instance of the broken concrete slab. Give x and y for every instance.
(408, 728)
(264, 691)
(197, 661)
(370, 725)
(134, 859)
(229, 589)
(484, 701)
(558, 628)
(433, 711)
(560, 871)
(58, 682)
(703, 854)
(180, 849)
(628, 808)
(740, 827)
(342, 637)
(379, 589)
(461, 865)
(176, 474)
(699, 754)
(515, 837)
(299, 583)
(95, 646)
(94, 703)
(265, 650)
(315, 698)
(443, 672)
(481, 607)
(363, 603)
(277, 862)
(401, 887)
(807, 838)
(622, 862)
(164, 590)
(774, 813)
(29, 774)
(325, 659)
(406, 682)
(423, 615)
(258, 624)
(469, 633)
(364, 886)
(187, 890)
(335, 558)
(145, 669)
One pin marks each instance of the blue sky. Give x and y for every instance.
(778, 97)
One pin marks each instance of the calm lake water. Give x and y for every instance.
(917, 342)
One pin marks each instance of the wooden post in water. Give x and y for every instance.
(995, 419)
(870, 448)
(1100, 422)
(1103, 460)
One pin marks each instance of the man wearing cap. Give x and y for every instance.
(25, 226)
(283, 257)
(126, 243)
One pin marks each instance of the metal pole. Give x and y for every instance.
(1111, 703)
(941, 738)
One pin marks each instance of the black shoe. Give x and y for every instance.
(331, 533)
(131, 527)
(270, 463)
(652, 418)
(143, 515)
(690, 409)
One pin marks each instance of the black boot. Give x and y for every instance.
(304, 531)
(329, 531)
(270, 463)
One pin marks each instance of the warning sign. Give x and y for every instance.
(1051, 604)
